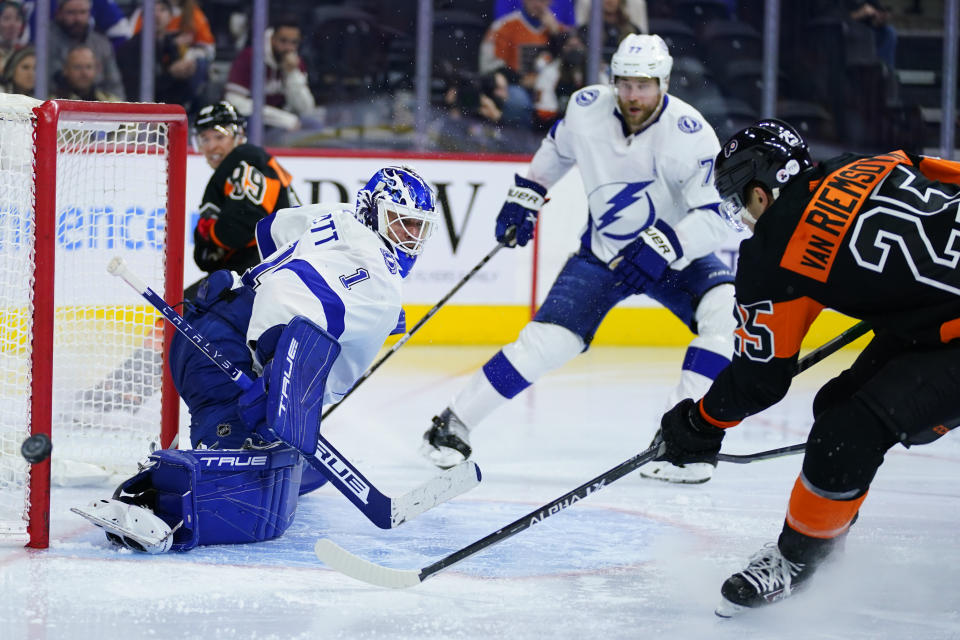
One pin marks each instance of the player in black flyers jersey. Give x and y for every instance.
(247, 184)
(875, 238)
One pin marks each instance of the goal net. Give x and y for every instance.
(81, 355)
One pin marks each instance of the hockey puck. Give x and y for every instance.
(36, 448)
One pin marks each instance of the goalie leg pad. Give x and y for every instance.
(302, 361)
(221, 315)
(219, 496)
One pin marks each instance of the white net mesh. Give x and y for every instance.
(111, 199)
(16, 313)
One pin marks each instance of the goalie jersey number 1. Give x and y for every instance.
(357, 276)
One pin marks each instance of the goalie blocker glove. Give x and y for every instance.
(644, 261)
(524, 200)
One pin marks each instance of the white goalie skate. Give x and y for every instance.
(128, 525)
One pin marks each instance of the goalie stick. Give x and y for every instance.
(508, 238)
(338, 558)
(380, 509)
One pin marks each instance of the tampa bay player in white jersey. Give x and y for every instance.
(646, 159)
(331, 278)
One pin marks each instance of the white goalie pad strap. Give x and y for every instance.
(135, 527)
(526, 198)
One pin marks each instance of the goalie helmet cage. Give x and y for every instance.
(81, 360)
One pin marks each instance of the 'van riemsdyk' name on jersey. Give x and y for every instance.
(663, 172)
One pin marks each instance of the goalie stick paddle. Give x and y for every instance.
(339, 559)
(508, 238)
(380, 509)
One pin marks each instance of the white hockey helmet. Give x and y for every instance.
(642, 56)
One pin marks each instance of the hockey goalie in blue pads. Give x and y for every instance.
(181, 499)
(310, 318)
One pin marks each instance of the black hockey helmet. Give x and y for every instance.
(221, 116)
(770, 152)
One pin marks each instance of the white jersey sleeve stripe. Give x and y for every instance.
(333, 307)
(265, 241)
(252, 274)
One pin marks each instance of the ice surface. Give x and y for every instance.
(637, 559)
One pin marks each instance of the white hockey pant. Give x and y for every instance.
(711, 349)
(541, 347)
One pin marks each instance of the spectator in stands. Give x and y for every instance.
(616, 26)
(175, 70)
(287, 95)
(476, 117)
(563, 9)
(19, 72)
(560, 78)
(519, 38)
(635, 12)
(71, 27)
(11, 28)
(877, 17)
(78, 78)
(518, 43)
(108, 19)
(193, 33)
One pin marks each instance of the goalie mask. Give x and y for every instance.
(770, 153)
(399, 205)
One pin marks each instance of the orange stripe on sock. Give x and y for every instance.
(819, 517)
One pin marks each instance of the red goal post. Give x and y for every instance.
(81, 360)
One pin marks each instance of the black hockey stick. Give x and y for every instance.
(511, 232)
(338, 558)
(380, 509)
(832, 346)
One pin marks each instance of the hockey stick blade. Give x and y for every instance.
(336, 557)
(446, 486)
(341, 560)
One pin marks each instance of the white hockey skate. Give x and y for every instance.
(128, 525)
(768, 578)
(447, 443)
(689, 473)
(689, 470)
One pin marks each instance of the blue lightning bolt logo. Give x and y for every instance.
(620, 201)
